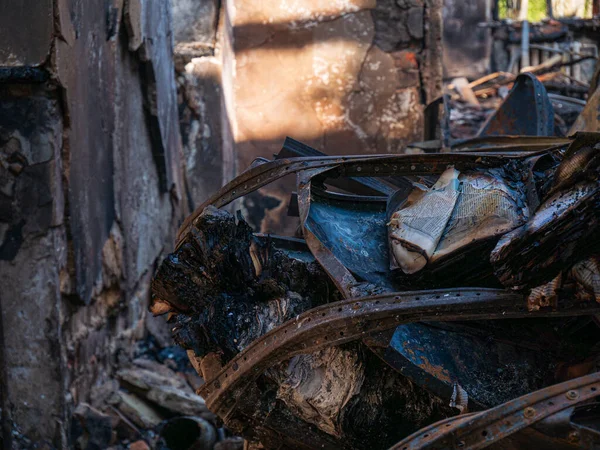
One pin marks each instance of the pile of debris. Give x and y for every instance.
(470, 105)
(427, 292)
(150, 404)
(560, 53)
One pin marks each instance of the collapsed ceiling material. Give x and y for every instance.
(446, 298)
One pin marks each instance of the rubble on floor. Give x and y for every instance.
(467, 117)
(443, 298)
(150, 403)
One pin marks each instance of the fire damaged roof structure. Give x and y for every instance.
(447, 298)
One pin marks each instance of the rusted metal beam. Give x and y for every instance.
(348, 320)
(475, 431)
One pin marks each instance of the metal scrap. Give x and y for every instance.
(246, 306)
(483, 429)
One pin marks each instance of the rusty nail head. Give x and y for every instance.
(572, 395)
(529, 412)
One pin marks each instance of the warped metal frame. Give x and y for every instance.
(348, 320)
(353, 319)
(493, 152)
(479, 430)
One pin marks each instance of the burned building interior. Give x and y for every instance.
(299, 224)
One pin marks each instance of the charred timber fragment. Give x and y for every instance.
(436, 286)
(227, 287)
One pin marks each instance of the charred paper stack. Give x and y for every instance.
(428, 287)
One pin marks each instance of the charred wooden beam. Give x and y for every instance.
(228, 287)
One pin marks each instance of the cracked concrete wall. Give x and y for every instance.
(204, 125)
(346, 77)
(90, 192)
(32, 251)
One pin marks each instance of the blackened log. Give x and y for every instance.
(231, 287)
